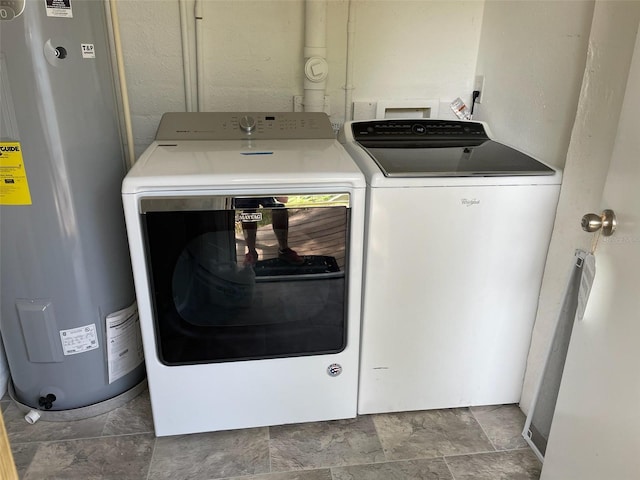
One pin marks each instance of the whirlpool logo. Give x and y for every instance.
(467, 202)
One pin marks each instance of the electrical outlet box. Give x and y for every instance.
(479, 86)
(363, 110)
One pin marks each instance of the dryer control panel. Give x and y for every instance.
(244, 125)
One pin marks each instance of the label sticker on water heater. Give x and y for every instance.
(79, 339)
(14, 187)
(124, 342)
(59, 8)
(88, 50)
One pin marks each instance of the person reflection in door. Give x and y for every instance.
(280, 224)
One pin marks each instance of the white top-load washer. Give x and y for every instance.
(246, 234)
(456, 238)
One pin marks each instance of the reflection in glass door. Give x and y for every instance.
(240, 278)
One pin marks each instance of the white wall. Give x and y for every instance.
(152, 48)
(253, 58)
(419, 49)
(532, 54)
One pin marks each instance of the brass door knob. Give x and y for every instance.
(592, 222)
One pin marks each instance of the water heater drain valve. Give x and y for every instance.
(47, 402)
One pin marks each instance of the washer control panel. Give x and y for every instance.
(244, 125)
(419, 129)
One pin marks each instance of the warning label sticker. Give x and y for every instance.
(124, 342)
(88, 50)
(79, 340)
(14, 188)
(59, 8)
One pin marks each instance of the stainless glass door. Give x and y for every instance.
(240, 278)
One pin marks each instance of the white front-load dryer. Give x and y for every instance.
(246, 233)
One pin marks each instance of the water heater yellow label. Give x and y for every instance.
(14, 188)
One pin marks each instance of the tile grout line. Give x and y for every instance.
(375, 427)
(504, 449)
(78, 439)
(453, 477)
(104, 426)
(488, 452)
(331, 468)
(482, 428)
(470, 454)
(379, 462)
(153, 452)
(269, 447)
(271, 474)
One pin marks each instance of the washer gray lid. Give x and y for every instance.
(440, 148)
(487, 158)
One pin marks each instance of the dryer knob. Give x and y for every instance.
(247, 124)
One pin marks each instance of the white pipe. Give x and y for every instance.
(314, 100)
(116, 82)
(186, 56)
(348, 83)
(316, 67)
(32, 417)
(199, 55)
(122, 80)
(315, 35)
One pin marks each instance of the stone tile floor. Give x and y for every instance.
(480, 443)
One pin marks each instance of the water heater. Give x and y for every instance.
(68, 318)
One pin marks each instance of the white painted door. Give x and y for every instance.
(595, 433)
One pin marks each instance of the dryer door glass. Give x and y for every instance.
(241, 278)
